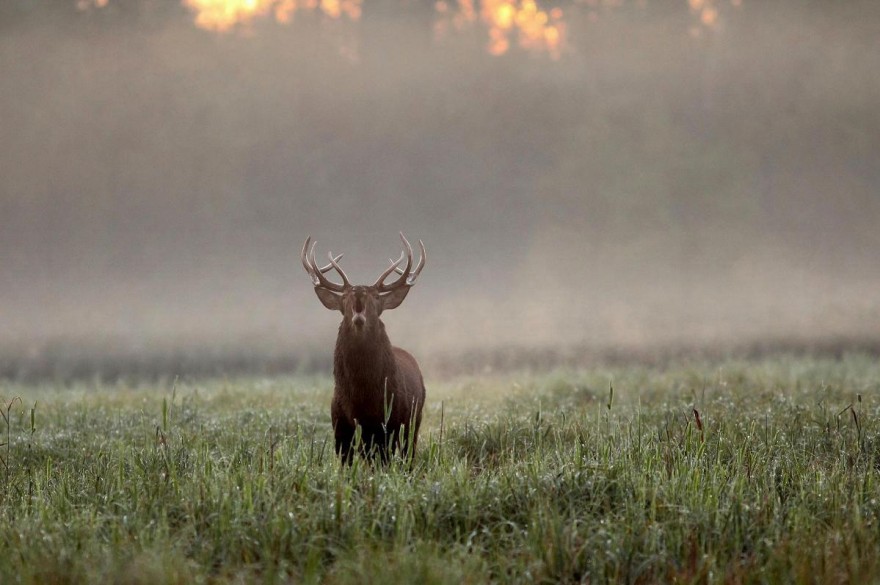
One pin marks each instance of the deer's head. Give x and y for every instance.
(361, 305)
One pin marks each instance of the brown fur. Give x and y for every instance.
(379, 388)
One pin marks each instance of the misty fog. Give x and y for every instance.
(657, 182)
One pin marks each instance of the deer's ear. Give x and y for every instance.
(329, 299)
(393, 299)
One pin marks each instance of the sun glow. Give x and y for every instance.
(225, 15)
(504, 24)
(707, 14)
(86, 4)
(509, 22)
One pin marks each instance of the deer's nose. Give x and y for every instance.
(359, 319)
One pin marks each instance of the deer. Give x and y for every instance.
(378, 388)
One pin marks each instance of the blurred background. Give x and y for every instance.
(588, 176)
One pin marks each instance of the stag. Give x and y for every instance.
(379, 388)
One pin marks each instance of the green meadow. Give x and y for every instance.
(721, 471)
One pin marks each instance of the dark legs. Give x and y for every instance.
(372, 442)
(343, 432)
(344, 439)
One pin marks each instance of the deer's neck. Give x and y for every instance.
(363, 363)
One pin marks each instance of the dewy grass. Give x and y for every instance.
(735, 471)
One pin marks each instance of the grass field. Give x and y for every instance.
(725, 471)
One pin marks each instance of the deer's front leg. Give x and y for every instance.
(343, 432)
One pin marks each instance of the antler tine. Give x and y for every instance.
(305, 262)
(415, 275)
(405, 275)
(304, 256)
(392, 268)
(319, 274)
(341, 272)
(397, 269)
(412, 279)
(329, 266)
(408, 251)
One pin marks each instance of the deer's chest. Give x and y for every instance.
(367, 401)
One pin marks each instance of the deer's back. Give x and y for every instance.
(407, 366)
(411, 387)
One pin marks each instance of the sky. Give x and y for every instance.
(622, 174)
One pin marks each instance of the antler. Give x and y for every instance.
(317, 274)
(407, 276)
